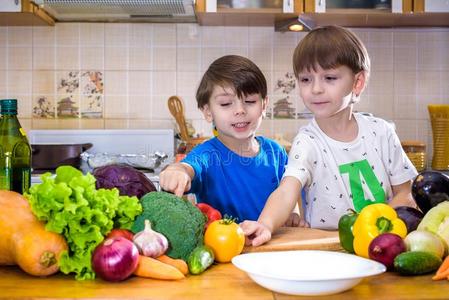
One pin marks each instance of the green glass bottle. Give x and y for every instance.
(15, 150)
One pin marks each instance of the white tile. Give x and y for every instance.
(405, 59)
(381, 58)
(67, 58)
(403, 38)
(212, 36)
(159, 108)
(116, 83)
(3, 58)
(209, 55)
(139, 83)
(164, 35)
(188, 35)
(236, 36)
(44, 36)
(92, 34)
(140, 58)
(242, 51)
(3, 36)
(44, 82)
(24, 105)
(285, 39)
(20, 36)
(3, 84)
(187, 84)
(164, 83)
(428, 83)
(429, 58)
(20, 58)
(282, 59)
(404, 82)
(188, 59)
(381, 82)
(261, 37)
(44, 58)
(141, 35)
(67, 34)
(116, 35)
(116, 106)
(381, 38)
(92, 58)
(262, 57)
(405, 106)
(19, 82)
(116, 58)
(139, 107)
(164, 59)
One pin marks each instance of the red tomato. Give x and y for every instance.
(226, 238)
(211, 213)
(120, 233)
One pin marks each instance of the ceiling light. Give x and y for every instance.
(295, 25)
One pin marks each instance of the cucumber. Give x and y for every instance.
(416, 263)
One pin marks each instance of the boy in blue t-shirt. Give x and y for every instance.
(236, 171)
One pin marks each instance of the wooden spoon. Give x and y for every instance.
(177, 110)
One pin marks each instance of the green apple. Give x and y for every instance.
(436, 220)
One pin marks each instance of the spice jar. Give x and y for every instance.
(416, 152)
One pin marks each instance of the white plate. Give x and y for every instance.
(307, 272)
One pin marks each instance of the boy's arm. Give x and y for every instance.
(402, 195)
(176, 178)
(276, 211)
(281, 203)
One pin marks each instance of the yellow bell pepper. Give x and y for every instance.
(372, 221)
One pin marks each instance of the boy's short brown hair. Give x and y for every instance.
(233, 71)
(330, 47)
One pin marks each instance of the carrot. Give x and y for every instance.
(443, 270)
(179, 264)
(152, 268)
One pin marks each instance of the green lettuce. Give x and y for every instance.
(70, 205)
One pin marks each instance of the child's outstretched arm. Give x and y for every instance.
(176, 178)
(402, 195)
(275, 213)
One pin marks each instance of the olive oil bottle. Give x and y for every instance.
(15, 150)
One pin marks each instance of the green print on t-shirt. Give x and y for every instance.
(355, 169)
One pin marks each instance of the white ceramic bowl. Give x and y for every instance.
(307, 272)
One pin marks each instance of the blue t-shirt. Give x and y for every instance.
(235, 185)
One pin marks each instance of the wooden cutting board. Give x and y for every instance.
(296, 238)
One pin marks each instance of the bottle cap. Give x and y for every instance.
(8, 106)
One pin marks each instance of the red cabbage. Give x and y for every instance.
(128, 180)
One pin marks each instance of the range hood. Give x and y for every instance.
(150, 11)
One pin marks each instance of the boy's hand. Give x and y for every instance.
(175, 179)
(295, 221)
(256, 233)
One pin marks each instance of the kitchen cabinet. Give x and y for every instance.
(403, 13)
(231, 13)
(23, 13)
(431, 6)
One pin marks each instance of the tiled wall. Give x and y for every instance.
(88, 75)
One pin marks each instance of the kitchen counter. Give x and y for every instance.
(222, 281)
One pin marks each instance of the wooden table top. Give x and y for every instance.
(222, 281)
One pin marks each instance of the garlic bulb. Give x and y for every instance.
(149, 242)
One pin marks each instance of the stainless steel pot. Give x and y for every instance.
(51, 156)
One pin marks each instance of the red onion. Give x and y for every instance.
(385, 247)
(115, 259)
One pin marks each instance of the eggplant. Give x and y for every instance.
(430, 188)
(411, 216)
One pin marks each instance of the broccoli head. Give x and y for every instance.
(177, 219)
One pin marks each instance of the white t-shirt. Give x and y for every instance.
(339, 175)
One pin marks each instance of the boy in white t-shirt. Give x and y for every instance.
(342, 159)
